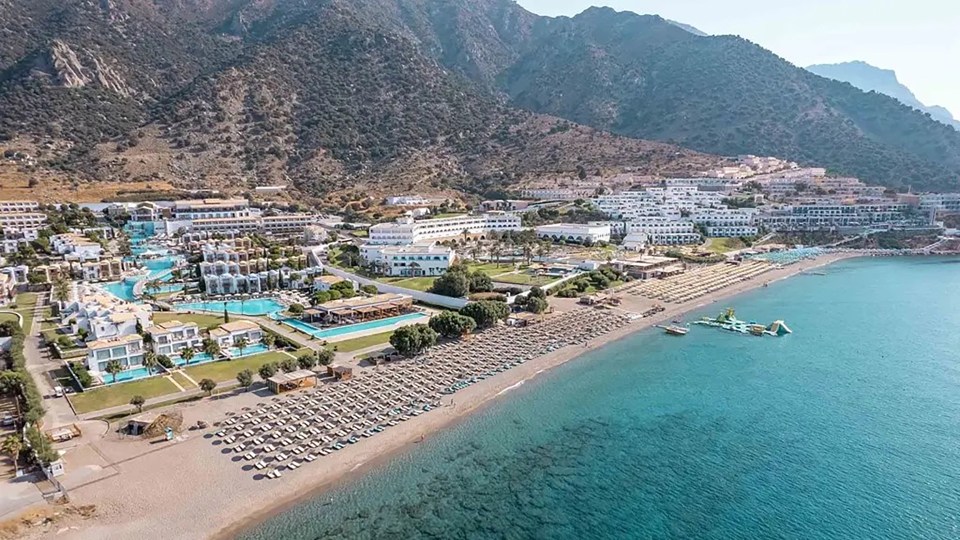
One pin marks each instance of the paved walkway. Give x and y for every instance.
(174, 381)
(39, 363)
(277, 328)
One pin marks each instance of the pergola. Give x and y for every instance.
(361, 309)
(286, 382)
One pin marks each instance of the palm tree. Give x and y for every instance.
(476, 249)
(527, 252)
(211, 347)
(150, 361)
(61, 289)
(543, 250)
(12, 446)
(187, 355)
(497, 250)
(269, 340)
(114, 368)
(241, 343)
(153, 286)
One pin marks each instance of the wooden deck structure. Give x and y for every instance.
(360, 309)
(340, 373)
(288, 382)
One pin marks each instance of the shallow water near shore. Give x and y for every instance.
(849, 428)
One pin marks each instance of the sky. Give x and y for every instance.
(919, 39)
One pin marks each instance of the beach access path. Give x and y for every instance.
(205, 491)
(39, 363)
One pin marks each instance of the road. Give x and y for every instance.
(39, 363)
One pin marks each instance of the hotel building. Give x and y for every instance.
(127, 350)
(574, 232)
(171, 337)
(227, 334)
(407, 231)
(412, 260)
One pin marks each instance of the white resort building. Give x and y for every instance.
(227, 334)
(171, 337)
(407, 231)
(574, 232)
(126, 350)
(413, 260)
(103, 315)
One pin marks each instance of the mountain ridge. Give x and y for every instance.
(868, 78)
(322, 94)
(474, 94)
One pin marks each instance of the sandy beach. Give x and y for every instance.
(188, 489)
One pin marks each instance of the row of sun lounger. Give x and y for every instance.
(301, 427)
(699, 282)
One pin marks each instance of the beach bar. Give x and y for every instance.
(340, 373)
(361, 309)
(287, 382)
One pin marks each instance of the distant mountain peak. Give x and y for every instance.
(693, 30)
(870, 78)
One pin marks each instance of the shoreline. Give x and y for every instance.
(251, 502)
(626, 332)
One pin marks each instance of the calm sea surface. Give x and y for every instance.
(847, 429)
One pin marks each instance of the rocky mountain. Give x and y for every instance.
(332, 95)
(642, 76)
(326, 94)
(873, 79)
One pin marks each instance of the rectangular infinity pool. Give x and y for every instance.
(203, 358)
(128, 375)
(258, 306)
(350, 328)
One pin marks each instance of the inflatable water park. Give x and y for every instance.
(728, 321)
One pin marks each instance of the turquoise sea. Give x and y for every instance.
(847, 429)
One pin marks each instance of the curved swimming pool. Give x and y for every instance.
(253, 307)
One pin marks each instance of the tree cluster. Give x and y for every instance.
(412, 340)
(459, 281)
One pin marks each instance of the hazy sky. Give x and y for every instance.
(919, 39)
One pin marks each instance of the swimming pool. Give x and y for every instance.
(257, 306)
(127, 375)
(203, 358)
(121, 289)
(350, 328)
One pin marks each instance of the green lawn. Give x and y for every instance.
(5, 317)
(417, 283)
(226, 370)
(491, 269)
(120, 394)
(424, 283)
(49, 325)
(202, 320)
(182, 380)
(26, 302)
(723, 245)
(524, 279)
(355, 344)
